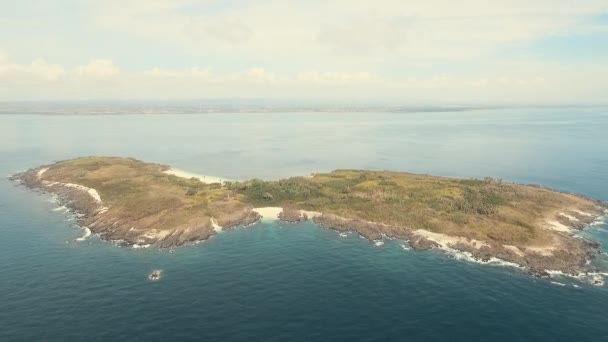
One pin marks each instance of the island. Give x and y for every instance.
(138, 203)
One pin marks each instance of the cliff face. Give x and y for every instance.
(133, 202)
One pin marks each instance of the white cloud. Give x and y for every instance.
(38, 69)
(326, 31)
(415, 50)
(365, 34)
(229, 30)
(253, 75)
(195, 72)
(352, 78)
(99, 68)
(508, 82)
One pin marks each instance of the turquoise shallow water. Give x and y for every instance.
(276, 282)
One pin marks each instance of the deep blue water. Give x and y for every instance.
(278, 282)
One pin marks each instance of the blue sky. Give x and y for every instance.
(433, 51)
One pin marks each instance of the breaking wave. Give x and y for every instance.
(87, 233)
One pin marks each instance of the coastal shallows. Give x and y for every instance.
(139, 203)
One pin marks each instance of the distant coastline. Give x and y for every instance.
(210, 106)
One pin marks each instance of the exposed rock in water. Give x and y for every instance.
(422, 244)
(154, 276)
(292, 216)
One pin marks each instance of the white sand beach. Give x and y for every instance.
(446, 240)
(204, 178)
(269, 213)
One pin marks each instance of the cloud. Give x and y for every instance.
(335, 77)
(365, 31)
(419, 50)
(366, 34)
(195, 72)
(227, 30)
(252, 75)
(99, 68)
(38, 69)
(506, 82)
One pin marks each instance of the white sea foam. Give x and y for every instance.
(53, 198)
(405, 247)
(557, 283)
(466, 256)
(599, 221)
(136, 246)
(343, 235)
(87, 233)
(61, 208)
(378, 243)
(593, 278)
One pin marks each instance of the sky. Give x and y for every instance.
(396, 51)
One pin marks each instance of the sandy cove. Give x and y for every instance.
(203, 178)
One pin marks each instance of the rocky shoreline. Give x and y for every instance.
(571, 258)
(92, 214)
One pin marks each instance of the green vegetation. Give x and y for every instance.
(488, 209)
(134, 190)
(367, 191)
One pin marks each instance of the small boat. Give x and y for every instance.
(155, 275)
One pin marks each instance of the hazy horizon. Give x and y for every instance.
(249, 106)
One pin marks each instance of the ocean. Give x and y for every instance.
(282, 282)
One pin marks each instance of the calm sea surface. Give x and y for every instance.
(279, 282)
